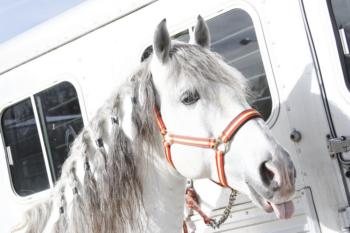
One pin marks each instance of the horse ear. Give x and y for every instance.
(161, 42)
(201, 33)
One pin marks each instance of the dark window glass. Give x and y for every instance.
(25, 157)
(182, 36)
(61, 121)
(341, 10)
(233, 36)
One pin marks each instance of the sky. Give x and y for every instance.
(17, 16)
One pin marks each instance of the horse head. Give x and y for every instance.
(200, 98)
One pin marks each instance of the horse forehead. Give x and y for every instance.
(159, 71)
(163, 75)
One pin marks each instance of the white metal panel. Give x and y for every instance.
(246, 217)
(65, 27)
(300, 98)
(338, 96)
(327, 52)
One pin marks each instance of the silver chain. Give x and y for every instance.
(215, 224)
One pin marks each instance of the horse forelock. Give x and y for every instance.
(206, 70)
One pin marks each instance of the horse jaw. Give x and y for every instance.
(163, 197)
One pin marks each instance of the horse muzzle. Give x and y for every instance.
(276, 188)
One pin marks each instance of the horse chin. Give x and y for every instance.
(283, 210)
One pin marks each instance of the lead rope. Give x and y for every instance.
(192, 204)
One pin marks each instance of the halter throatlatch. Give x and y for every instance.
(220, 144)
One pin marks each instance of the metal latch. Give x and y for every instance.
(343, 40)
(344, 215)
(338, 145)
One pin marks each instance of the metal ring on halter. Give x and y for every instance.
(189, 183)
(221, 145)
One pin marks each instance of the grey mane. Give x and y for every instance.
(109, 199)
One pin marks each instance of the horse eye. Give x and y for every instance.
(190, 97)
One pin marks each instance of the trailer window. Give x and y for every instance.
(233, 36)
(182, 36)
(60, 121)
(341, 12)
(60, 117)
(25, 155)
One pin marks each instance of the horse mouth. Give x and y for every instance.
(283, 210)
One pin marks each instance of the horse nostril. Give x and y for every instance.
(266, 174)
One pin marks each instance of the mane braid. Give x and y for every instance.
(61, 224)
(108, 197)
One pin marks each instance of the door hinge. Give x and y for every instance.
(344, 215)
(338, 145)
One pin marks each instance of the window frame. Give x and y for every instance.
(339, 45)
(31, 95)
(263, 49)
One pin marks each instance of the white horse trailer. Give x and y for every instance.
(295, 55)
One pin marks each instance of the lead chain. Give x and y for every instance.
(215, 224)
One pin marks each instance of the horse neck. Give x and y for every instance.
(163, 197)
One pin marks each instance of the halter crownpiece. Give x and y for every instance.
(220, 144)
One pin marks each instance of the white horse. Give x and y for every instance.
(118, 178)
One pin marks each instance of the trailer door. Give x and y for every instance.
(328, 25)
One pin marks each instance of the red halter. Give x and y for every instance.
(220, 144)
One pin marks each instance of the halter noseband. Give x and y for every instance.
(220, 144)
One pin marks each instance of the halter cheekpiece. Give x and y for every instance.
(219, 144)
